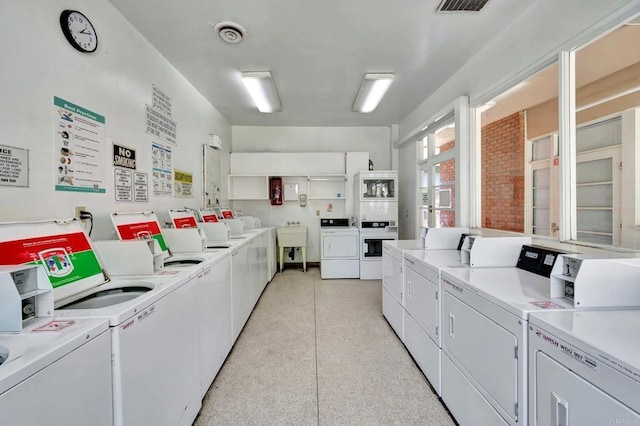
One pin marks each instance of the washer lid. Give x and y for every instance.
(139, 226)
(61, 246)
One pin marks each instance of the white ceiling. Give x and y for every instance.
(317, 51)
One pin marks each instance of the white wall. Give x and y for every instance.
(374, 140)
(532, 39)
(115, 81)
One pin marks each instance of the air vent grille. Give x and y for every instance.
(461, 5)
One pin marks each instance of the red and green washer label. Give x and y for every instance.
(66, 258)
(142, 231)
(185, 222)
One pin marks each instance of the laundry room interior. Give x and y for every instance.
(372, 212)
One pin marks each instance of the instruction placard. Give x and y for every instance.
(162, 161)
(183, 184)
(79, 148)
(158, 118)
(141, 187)
(14, 166)
(123, 182)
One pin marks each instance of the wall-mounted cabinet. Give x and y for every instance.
(319, 187)
(327, 187)
(327, 175)
(248, 187)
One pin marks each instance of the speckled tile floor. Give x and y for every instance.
(319, 352)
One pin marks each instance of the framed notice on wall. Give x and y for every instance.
(14, 166)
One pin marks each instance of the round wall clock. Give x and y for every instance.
(79, 31)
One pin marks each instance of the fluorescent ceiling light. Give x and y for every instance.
(372, 89)
(262, 90)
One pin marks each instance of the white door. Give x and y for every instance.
(339, 246)
(484, 349)
(421, 302)
(562, 398)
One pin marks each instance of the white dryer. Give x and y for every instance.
(339, 252)
(484, 337)
(393, 281)
(584, 368)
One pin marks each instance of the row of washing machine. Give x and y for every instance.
(512, 334)
(80, 343)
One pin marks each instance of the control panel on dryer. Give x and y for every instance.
(588, 281)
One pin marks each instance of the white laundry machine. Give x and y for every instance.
(423, 307)
(584, 368)
(394, 270)
(339, 249)
(143, 315)
(392, 281)
(58, 374)
(484, 336)
(52, 371)
(372, 236)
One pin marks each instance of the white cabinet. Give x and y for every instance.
(214, 319)
(248, 187)
(327, 187)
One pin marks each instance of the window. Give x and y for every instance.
(438, 176)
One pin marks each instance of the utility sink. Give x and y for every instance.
(292, 236)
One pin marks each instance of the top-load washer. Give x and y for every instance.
(584, 368)
(145, 226)
(52, 371)
(59, 374)
(143, 314)
(484, 336)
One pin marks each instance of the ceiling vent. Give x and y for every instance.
(229, 32)
(461, 5)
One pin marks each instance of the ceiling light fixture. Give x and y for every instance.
(371, 92)
(263, 91)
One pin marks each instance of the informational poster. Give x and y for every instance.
(79, 148)
(14, 166)
(158, 118)
(123, 182)
(162, 169)
(140, 187)
(183, 184)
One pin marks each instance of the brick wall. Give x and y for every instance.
(503, 174)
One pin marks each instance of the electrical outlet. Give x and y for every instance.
(78, 210)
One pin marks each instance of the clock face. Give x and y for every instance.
(79, 31)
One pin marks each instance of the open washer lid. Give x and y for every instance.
(139, 226)
(61, 246)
